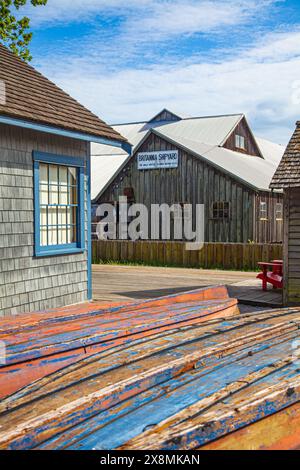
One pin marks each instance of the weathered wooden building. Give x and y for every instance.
(218, 163)
(287, 178)
(45, 236)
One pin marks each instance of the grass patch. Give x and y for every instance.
(169, 265)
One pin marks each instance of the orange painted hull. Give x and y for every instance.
(280, 431)
(40, 344)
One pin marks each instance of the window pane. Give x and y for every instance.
(63, 195)
(62, 235)
(43, 216)
(43, 231)
(44, 194)
(62, 216)
(53, 194)
(221, 210)
(44, 240)
(240, 141)
(279, 211)
(72, 222)
(71, 215)
(43, 174)
(52, 234)
(226, 210)
(72, 237)
(52, 216)
(263, 211)
(63, 175)
(72, 176)
(73, 195)
(53, 174)
(59, 205)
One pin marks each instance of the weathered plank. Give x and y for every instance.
(212, 255)
(175, 389)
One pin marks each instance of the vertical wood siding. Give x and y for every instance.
(194, 182)
(165, 116)
(28, 283)
(270, 230)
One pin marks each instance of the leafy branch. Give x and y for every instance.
(15, 33)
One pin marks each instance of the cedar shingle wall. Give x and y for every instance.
(292, 247)
(287, 174)
(28, 283)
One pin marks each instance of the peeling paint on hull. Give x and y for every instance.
(181, 372)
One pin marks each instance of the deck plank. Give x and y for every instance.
(127, 283)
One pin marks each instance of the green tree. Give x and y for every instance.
(15, 32)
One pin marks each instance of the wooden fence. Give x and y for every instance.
(214, 255)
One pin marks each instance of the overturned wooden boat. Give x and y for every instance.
(182, 372)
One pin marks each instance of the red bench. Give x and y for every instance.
(273, 276)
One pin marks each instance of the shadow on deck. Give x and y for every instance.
(131, 283)
(250, 292)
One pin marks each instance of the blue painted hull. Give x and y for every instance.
(183, 387)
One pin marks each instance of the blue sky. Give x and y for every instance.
(127, 59)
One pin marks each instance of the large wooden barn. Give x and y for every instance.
(45, 135)
(287, 178)
(218, 163)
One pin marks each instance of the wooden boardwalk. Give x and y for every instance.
(249, 292)
(113, 283)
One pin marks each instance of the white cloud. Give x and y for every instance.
(107, 72)
(177, 17)
(159, 18)
(66, 11)
(255, 82)
(278, 45)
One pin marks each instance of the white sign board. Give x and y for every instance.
(154, 160)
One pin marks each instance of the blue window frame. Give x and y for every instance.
(59, 204)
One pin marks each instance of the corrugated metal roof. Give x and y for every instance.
(270, 150)
(103, 170)
(254, 171)
(201, 135)
(135, 133)
(211, 130)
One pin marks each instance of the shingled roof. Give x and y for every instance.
(32, 97)
(287, 174)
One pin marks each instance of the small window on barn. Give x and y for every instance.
(221, 210)
(59, 212)
(240, 142)
(279, 211)
(263, 211)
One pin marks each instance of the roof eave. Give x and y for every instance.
(126, 146)
(109, 182)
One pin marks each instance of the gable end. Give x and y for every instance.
(165, 116)
(242, 140)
